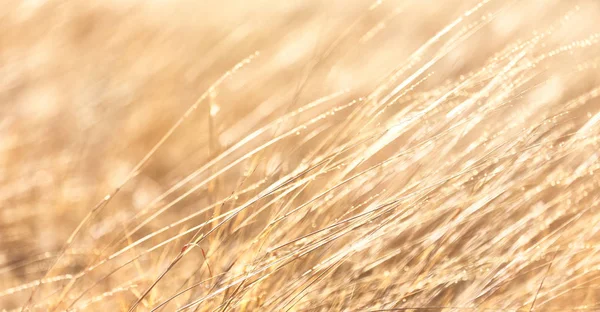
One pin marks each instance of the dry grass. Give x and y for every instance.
(299, 155)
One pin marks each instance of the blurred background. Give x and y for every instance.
(88, 88)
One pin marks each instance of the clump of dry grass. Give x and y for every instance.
(292, 156)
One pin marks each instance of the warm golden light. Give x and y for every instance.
(299, 155)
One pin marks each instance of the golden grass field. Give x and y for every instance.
(332, 155)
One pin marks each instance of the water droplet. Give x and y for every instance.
(214, 109)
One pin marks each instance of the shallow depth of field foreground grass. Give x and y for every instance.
(331, 155)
